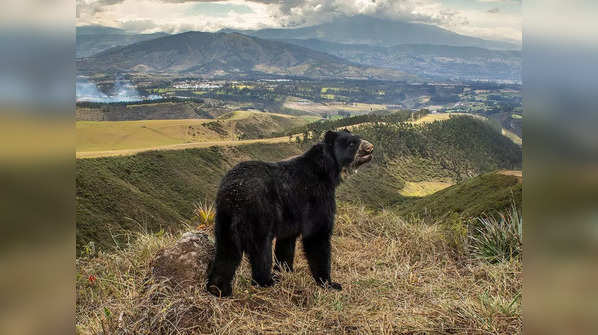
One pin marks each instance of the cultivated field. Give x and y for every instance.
(332, 107)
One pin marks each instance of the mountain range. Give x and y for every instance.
(428, 61)
(94, 39)
(356, 47)
(363, 29)
(228, 54)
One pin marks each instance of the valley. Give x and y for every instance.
(195, 113)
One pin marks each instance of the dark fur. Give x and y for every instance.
(260, 201)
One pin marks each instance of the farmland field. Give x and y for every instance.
(316, 107)
(113, 135)
(135, 135)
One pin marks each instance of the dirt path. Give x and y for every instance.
(182, 146)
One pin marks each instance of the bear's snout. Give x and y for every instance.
(364, 154)
(366, 147)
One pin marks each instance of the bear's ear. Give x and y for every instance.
(330, 137)
(346, 131)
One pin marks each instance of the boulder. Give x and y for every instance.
(185, 263)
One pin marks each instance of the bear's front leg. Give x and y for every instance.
(317, 252)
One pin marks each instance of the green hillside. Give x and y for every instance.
(484, 194)
(157, 189)
(448, 151)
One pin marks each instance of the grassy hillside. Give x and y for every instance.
(398, 277)
(157, 189)
(484, 194)
(438, 153)
(449, 278)
(118, 135)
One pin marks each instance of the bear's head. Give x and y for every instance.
(349, 150)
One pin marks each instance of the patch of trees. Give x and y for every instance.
(463, 145)
(88, 104)
(312, 132)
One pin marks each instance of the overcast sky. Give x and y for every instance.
(489, 19)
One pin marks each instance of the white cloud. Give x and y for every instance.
(491, 25)
(182, 15)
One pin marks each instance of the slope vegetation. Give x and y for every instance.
(157, 189)
(485, 194)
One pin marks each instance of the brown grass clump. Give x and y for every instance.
(398, 278)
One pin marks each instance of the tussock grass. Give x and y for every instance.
(204, 214)
(398, 277)
(498, 238)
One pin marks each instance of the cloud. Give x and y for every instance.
(287, 13)
(91, 7)
(175, 16)
(503, 1)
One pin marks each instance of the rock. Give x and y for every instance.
(185, 263)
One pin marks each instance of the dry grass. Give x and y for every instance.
(110, 138)
(423, 188)
(443, 117)
(397, 277)
(183, 146)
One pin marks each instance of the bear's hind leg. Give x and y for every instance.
(285, 254)
(228, 257)
(260, 257)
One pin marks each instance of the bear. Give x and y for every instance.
(258, 202)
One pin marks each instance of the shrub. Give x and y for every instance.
(456, 232)
(497, 239)
(204, 213)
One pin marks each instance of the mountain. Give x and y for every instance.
(428, 61)
(362, 29)
(94, 39)
(228, 54)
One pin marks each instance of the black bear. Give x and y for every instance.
(259, 201)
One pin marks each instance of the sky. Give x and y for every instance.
(488, 19)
